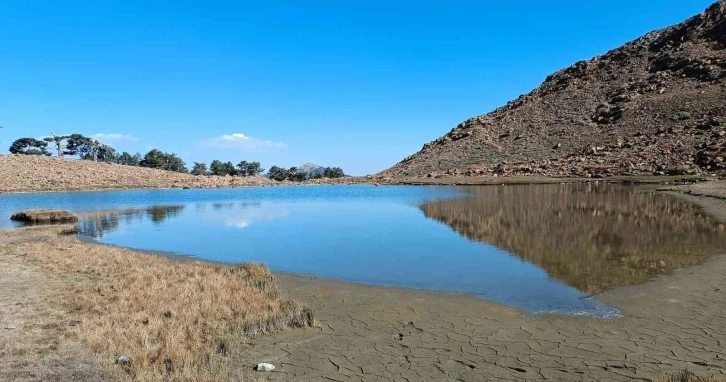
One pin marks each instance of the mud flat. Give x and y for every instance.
(674, 322)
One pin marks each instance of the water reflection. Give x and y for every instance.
(95, 224)
(589, 237)
(239, 215)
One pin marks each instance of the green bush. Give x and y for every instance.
(680, 116)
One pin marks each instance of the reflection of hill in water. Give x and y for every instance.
(589, 237)
(96, 223)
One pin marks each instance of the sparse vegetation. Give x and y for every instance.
(44, 216)
(201, 317)
(680, 116)
(22, 173)
(303, 173)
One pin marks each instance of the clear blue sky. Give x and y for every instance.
(358, 84)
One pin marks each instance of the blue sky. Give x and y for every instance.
(358, 84)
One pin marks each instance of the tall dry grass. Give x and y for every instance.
(177, 321)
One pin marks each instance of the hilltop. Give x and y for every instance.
(23, 173)
(654, 106)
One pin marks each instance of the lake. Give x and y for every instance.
(539, 248)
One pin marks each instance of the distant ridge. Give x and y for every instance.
(656, 105)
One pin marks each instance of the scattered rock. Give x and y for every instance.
(10, 327)
(265, 367)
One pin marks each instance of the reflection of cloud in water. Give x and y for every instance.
(247, 214)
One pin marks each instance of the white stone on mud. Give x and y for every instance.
(265, 367)
(10, 327)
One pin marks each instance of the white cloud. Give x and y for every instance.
(241, 141)
(115, 137)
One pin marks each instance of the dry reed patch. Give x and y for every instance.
(179, 321)
(688, 376)
(44, 216)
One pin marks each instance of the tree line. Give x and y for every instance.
(87, 148)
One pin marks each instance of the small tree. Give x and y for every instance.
(333, 172)
(229, 169)
(127, 159)
(105, 153)
(242, 168)
(295, 175)
(245, 168)
(254, 169)
(59, 141)
(29, 146)
(174, 163)
(217, 168)
(84, 147)
(200, 169)
(153, 159)
(137, 159)
(164, 161)
(278, 173)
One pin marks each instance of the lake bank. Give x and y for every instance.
(673, 322)
(387, 333)
(37, 174)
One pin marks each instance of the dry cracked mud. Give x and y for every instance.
(673, 322)
(387, 334)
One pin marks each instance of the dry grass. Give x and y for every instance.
(30, 173)
(178, 321)
(688, 376)
(44, 216)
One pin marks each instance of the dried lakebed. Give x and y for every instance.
(585, 239)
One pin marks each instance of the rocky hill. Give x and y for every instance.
(25, 173)
(656, 105)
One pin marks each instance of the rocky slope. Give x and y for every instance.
(23, 173)
(653, 106)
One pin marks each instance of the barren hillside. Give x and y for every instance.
(37, 173)
(653, 106)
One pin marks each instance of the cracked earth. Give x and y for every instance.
(673, 322)
(388, 334)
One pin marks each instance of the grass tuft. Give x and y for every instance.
(44, 217)
(686, 375)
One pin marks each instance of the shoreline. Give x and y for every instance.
(383, 332)
(464, 181)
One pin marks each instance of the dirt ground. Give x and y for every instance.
(36, 340)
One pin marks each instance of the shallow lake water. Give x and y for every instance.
(541, 248)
